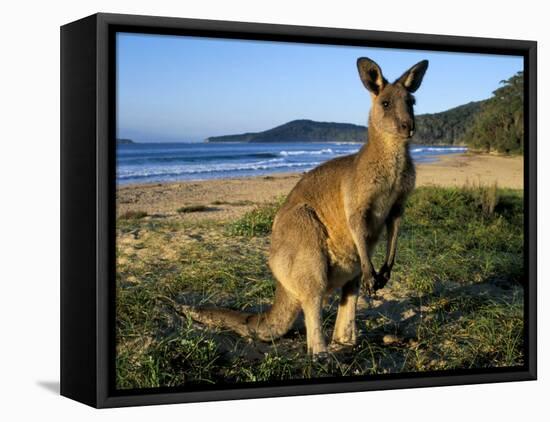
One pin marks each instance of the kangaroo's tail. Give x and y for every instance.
(266, 326)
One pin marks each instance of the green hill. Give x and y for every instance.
(300, 131)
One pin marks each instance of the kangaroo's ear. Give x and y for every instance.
(412, 78)
(371, 75)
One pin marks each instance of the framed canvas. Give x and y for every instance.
(254, 210)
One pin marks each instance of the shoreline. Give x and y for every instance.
(225, 199)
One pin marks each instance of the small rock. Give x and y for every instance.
(413, 343)
(409, 313)
(390, 339)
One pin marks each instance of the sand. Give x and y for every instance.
(461, 169)
(229, 199)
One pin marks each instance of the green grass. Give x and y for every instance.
(256, 222)
(449, 235)
(455, 299)
(489, 333)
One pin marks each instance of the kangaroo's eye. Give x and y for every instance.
(385, 104)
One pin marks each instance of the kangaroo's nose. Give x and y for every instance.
(408, 127)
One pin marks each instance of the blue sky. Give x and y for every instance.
(175, 88)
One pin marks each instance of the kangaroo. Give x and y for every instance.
(324, 235)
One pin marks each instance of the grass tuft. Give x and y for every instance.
(256, 222)
(133, 215)
(193, 208)
(240, 203)
(486, 197)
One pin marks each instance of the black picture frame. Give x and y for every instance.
(88, 205)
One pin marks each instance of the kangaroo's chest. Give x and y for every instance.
(381, 206)
(378, 213)
(394, 187)
(345, 263)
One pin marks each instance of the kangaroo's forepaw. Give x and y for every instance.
(382, 278)
(368, 283)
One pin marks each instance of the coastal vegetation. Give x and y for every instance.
(447, 127)
(498, 126)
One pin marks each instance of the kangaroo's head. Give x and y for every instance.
(392, 103)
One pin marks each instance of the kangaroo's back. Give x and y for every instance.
(320, 189)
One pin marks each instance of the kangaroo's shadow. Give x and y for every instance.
(402, 315)
(389, 313)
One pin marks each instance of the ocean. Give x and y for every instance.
(168, 162)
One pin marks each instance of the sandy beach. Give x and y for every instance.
(230, 198)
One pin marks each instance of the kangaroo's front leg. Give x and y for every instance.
(392, 225)
(357, 223)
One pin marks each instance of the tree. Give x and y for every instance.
(499, 125)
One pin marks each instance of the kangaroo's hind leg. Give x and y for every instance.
(345, 329)
(298, 260)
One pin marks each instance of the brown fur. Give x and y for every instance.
(324, 235)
